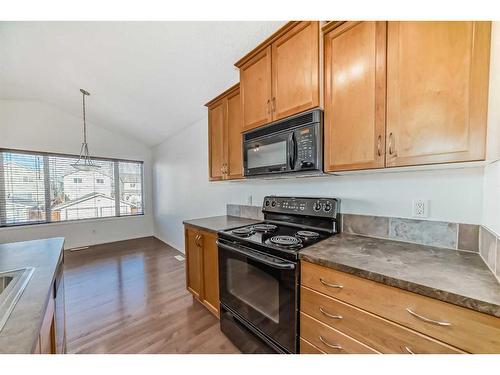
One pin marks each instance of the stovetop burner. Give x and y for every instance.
(264, 227)
(243, 232)
(284, 241)
(307, 234)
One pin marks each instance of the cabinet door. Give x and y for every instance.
(234, 138)
(255, 89)
(210, 272)
(295, 70)
(355, 96)
(216, 140)
(437, 86)
(193, 261)
(47, 339)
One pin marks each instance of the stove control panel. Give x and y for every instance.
(322, 207)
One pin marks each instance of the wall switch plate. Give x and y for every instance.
(420, 208)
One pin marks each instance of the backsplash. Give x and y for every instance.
(425, 232)
(489, 249)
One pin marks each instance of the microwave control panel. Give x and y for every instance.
(306, 151)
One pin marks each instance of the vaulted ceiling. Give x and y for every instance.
(146, 79)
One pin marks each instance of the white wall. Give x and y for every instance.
(182, 190)
(491, 183)
(33, 125)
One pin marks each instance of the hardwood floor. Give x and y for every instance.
(130, 297)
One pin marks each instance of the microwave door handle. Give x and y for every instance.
(257, 257)
(292, 144)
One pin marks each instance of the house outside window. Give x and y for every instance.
(45, 188)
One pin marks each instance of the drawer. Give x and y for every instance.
(328, 339)
(307, 348)
(378, 333)
(468, 330)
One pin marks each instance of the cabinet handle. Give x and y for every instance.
(330, 315)
(326, 283)
(390, 143)
(333, 346)
(427, 320)
(408, 350)
(268, 106)
(197, 239)
(379, 145)
(274, 104)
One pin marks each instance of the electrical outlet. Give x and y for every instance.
(420, 208)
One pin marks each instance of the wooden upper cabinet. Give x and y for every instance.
(224, 136)
(437, 87)
(255, 88)
(216, 137)
(295, 71)
(281, 76)
(354, 121)
(234, 139)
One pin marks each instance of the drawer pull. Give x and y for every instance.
(408, 350)
(326, 283)
(333, 346)
(329, 315)
(427, 319)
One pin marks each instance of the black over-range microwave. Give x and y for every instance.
(291, 145)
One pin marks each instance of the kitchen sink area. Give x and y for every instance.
(12, 285)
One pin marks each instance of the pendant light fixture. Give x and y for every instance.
(84, 162)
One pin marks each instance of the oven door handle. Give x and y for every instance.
(257, 257)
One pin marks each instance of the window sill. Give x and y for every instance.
(67, 222)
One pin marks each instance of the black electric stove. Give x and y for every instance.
(259, 271)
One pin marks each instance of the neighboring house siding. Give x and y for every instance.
(94, 207)
(24, 183)
(82, 183)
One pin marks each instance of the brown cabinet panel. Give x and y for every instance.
(255, 89)
(329, 339)
(355, 96)
(202, 267)
(468, 330)
(210, 272)
(378, 333)
(437, 80)
(307, 348)
(295, 70)
(234, 138)
(216, 139)
(47, 331)
(193, 261)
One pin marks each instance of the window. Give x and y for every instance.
(42, 188)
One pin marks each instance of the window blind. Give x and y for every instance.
(43, 187)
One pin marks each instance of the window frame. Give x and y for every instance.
(48, 210)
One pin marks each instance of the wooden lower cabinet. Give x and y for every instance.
(307, 348)
(52, 336)
(202, 267)
(330, 340)
(391, 320)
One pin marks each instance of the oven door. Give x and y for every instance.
(271, 154)
(262, 289)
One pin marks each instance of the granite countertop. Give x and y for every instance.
(23, 326)
(457, 277)
(217, 223)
